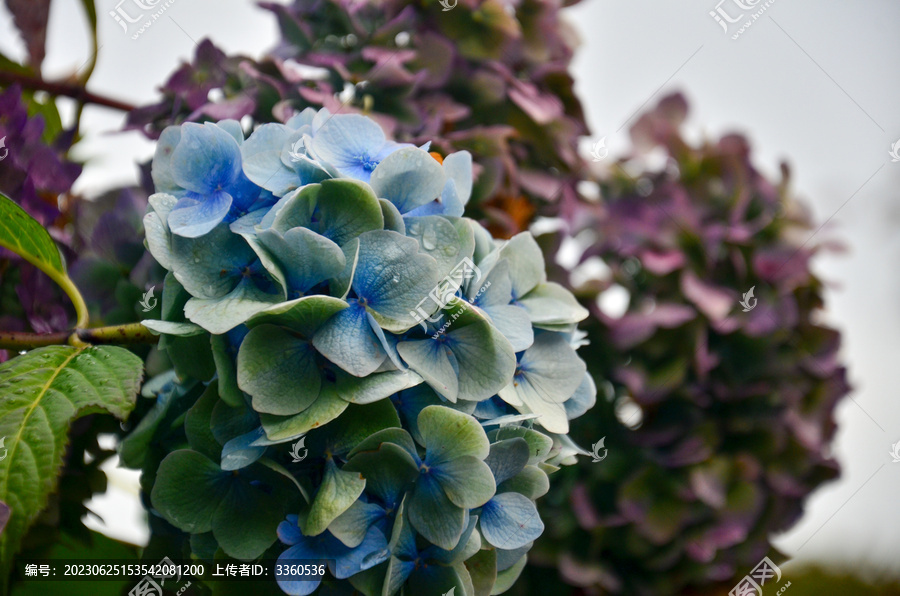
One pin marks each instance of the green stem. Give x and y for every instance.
(132, 333)
(82, 316)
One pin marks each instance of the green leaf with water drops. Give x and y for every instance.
(22, 234)
(41, 393)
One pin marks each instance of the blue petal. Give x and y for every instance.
(408, 178)
(348, 341)
(297, 587)
(239, 452)
(510, 520)
(302, 119)
(372, 551)
(161, 170)
(351, 143)
(583, 400)
(458, 167)
(244, 192)
(262, 164)
(289, 531)
(514, 323)
(490, 409)
(307, 258)
(206, 159)
(194, 215)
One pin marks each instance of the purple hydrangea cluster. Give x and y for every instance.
(487, 77)
(720, 400)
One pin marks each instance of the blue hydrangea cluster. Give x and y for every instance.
(409, 375)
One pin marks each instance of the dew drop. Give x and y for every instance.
(429, 239)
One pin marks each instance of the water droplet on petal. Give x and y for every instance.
(429, 239)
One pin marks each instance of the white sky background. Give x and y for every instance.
(811, 82)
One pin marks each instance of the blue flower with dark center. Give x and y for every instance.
(201, 165)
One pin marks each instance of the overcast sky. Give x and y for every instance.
(813, 82)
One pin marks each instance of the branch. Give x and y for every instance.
(132, 333)
(74, 91)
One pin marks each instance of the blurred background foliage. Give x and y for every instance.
(717, 421)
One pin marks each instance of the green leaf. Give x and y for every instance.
(90, 11)
(22, 234)
(339, 490)
(41, 392)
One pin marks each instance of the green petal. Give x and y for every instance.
(338, 491)
(449, 434)
(466, 480)
(388, 471)
(434, 516)
(551, 304)
(325, 409)
(278, 370)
